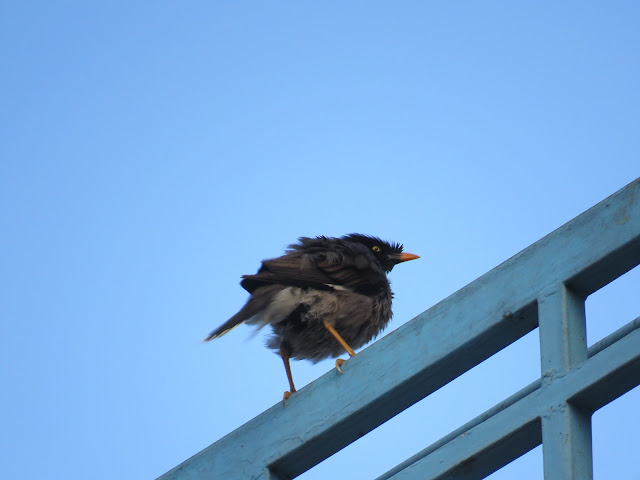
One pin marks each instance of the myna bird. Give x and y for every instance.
(325, 295)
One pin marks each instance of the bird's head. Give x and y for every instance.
(387, 254)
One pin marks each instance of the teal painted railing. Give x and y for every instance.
(544, 287)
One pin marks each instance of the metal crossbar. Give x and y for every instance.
(544, 286)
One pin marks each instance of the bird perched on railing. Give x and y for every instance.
(323, 296)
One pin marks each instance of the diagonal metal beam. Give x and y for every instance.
(427, 352)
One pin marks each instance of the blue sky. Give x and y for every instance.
(153, 152)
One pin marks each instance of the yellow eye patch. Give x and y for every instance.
(375, 248)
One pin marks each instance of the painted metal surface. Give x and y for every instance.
(514, 426)
(545, 285)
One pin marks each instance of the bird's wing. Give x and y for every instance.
(322, 270)
(319, 271)
(290, 269)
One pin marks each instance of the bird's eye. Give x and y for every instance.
(375, 248)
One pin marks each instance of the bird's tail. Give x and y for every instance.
(255, 304)
(235, 321)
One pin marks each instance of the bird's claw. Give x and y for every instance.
(339, 363)
(286, 395)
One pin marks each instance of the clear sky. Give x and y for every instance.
(153, 152)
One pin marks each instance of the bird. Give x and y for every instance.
(324, 296)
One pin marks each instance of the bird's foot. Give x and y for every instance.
(286, 395)
(339, 363)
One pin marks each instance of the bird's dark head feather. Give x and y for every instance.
(388, 254)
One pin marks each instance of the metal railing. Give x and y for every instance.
(545, 287)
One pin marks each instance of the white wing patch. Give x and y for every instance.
(339, 287)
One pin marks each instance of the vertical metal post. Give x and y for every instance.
(566, 430)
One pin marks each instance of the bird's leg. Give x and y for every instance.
(285, 353)
(341, 341)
